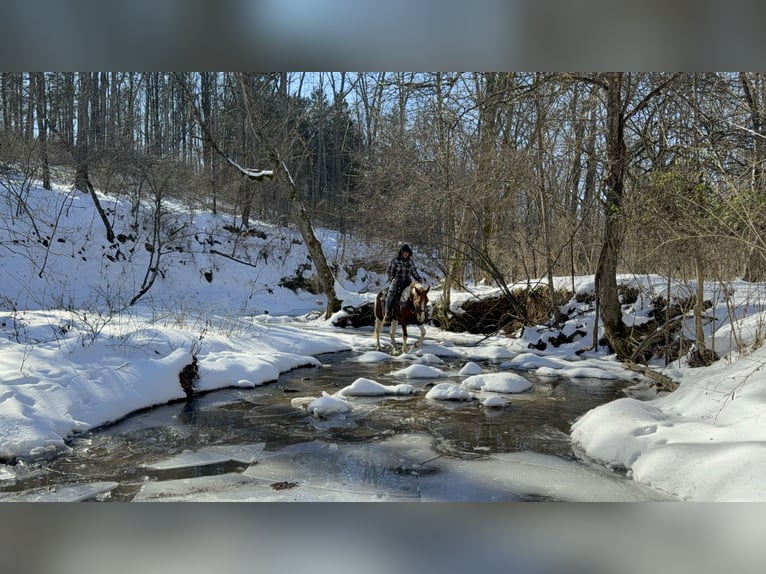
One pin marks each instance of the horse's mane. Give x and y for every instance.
(408, 289)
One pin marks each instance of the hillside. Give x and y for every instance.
(56, 256)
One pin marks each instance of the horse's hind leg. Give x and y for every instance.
(376, 334)
(392, 334)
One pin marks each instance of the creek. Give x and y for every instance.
(256, 444)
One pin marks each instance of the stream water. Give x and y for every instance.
(119, 461)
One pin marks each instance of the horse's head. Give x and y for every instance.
(419, 300)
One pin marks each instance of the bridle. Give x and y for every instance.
(421, 310)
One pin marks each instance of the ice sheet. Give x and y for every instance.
(74, 493)
(403, 467)
(244, 453)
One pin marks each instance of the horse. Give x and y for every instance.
(412, 308)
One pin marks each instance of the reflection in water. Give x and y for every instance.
(535, 421)
(188, 415)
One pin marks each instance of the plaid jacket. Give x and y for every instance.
(403, 270)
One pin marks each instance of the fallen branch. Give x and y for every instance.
(662, 382)
(216, 252)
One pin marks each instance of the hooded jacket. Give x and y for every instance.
(403, 270)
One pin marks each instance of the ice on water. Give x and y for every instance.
(216, 454)
(404, 467)
(68, 493)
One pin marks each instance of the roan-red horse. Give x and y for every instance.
(412, 308)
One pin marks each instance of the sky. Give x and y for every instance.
(70, 362)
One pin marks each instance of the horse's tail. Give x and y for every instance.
(380, 302)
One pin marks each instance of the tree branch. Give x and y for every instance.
(257, 175)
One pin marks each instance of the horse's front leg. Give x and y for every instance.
(419, 344)
(404, 337)
(392, 334)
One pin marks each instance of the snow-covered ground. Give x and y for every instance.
(74, 356)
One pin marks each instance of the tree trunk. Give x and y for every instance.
(454, 216)
(753, 86)
(606, 273)
(81, 179)
(82, 171)
(207, 94)
(29, 127)
(80, 152)
(487, 85)
(5, 93)
(156, 248)
(544, 211)
(702, 356)
(42, 131)
(589, 185)
(699, 333)
(324, 273)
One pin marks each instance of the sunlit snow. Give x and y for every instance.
(75, 356)
(448, 392)
(419, 372)
(470, 368)
(363, 387)
(498, 383)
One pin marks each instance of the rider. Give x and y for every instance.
(401, 270)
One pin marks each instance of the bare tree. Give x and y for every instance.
(160, 179)
(754, 93)
(42, 129)
(287, 184)
(618, 87)
(284, 178)
(80, 152)
(541, 117)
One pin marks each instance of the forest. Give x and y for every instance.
(494, 176)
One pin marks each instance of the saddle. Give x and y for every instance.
(395, 308)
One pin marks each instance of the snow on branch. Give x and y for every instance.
(258, 175)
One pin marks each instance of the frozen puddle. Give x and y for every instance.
(401, 468)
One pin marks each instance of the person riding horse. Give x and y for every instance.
(401, 271)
